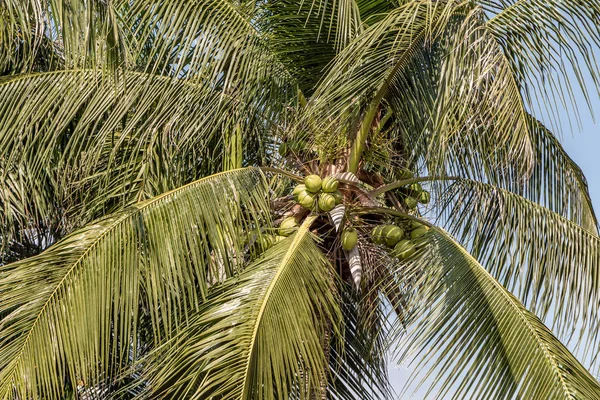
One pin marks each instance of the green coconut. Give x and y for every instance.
(298, 189)
(329, 184)
(416, 188)
(415, 224)
(349, 239)
(313, 183)
(339, 198)
(424, 197)
(406, 174)
(326, 202)
(410, 202)
(377, 234)
(288, 226)
(306, 200)
(408, 250)
(392, 234)
(263, 242)
(417, 233)
(284, 149)
(401, 246)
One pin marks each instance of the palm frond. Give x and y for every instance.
(381, 72)
(357, 363)
(362, 75)
(550, 43)
(82, 146)
(84, 34)
(549, 262)
(459, 108)
(71, 313)
(259, 336)
(475, 340)
(306, 36)
(557, 182)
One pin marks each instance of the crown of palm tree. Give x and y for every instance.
(213, 199)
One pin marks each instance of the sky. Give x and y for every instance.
(583, 145)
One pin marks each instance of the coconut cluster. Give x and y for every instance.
(416, 194)
(403, 244)
(318, 194)
(264, 241)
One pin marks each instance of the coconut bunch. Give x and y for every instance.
(402, 243)
(414, 193)
(317, 194)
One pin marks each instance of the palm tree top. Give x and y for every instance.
(269, 200)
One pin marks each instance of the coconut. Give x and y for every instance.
(417, 233)
(339, 198)
(424, 197)
(326, 202)
(415, 224)
(329, 184)
(287, 226)
(313, 183)
(284, 149)
(401, 246)
(298, 189)
(377, 234)
(349, 239)
(306, 200)
(392, 234)
(416, 188)
(408, 250)
(406, 174)
(263, 242)
(410, 202)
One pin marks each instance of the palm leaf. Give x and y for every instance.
(476, 340)
(82, 146)
(557, 182)
(459, 108)
(548, 261)
(71, 313)
(259, 336)
(86, 34)
(550, 43)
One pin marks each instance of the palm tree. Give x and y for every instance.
(157, 242)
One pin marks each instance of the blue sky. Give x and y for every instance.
(583, 145)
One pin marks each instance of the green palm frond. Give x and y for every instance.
(82, 146)
(358, 359)
(460, 110)
(306, 36)
(475, 340)
(557, 182)
(362, 74)
(208, 40)
(547, 261)
(550, 43)
(71, 313)
(86, 34)
(259, 335)
(484, 121)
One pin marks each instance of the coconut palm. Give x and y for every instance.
(216, 199)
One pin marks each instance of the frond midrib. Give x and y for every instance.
(299, 236)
